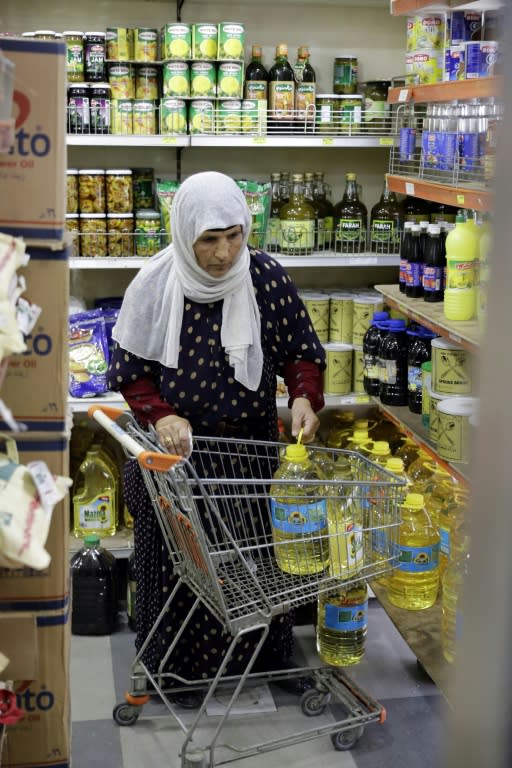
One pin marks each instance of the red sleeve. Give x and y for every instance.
(304, 379)
(145, 401)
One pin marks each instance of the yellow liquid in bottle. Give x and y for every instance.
(94, 497)
(451, 617)
(342, 625)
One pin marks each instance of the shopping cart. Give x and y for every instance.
(213, 510)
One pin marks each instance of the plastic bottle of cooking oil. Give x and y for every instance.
(438, 491)
(408, 451)
(299, 514)
(414, 583)
(451, 518)
(453, 582)
(383, 525)
(342, 624)
(340, 430)
(345, 523)
(380, 452)
(94, 496)
(421, 472)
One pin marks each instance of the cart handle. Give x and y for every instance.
(107, 417)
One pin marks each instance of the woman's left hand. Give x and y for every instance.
(304, 417)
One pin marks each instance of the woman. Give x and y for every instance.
(203, 331)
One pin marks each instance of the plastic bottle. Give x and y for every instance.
(94, 496)
(345, 525)
(453, 583)
(434, 264)
(341, 429)
(419, 352)
(299, 514)
(461, 254)
(407, 451)
(414, 584)
(360, 441)
(404, 255)
(380, 452)
(342, 625)
(393, 358)
(93, 589)
(131, 591)
(414, 274)
(451, 517)
(371, 342)
(382, 534)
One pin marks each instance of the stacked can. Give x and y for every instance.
(426, 41)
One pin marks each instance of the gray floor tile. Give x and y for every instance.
(92, 682)
(96, 744)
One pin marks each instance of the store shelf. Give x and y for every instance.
(82, 404)
(466, 334)
(291, 141)
(111, 140)
(121, 544)
(400, 7)
(317, 259)
(460, 197)
(108, 262)
(421, 631)
(480, 88)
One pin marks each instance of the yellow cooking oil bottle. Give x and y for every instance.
(342, 624)
(94, 496)
(408, 451)
(414, 583)
(451, 517)
(345, 522)
(340, 429)
(453, 583)
(383, 530)
(299, 513)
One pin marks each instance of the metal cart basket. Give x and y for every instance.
(215, 512)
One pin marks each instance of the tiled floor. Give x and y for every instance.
(412, 734)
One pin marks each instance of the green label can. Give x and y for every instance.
(144, 117)
(204, 41)
(351, 110)
(119, 43)
(176, 79)
(122, 116)
(203, 77)
(229, 116)
(145, 44)
(254, 116)
(201, 116)
(173, 116)
(231, 40)
(176, 41)
(75, 63)
(230, 78)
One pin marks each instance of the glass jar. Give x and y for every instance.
(327, 112)
(148, 233)
(93, 235)
(72, 190)
(345, 74)
(79, 115)
(91, 191)
(73, 226)
(143, 188)
(350, 114)
(74, 56)
(100, 96)
(376, 108)
(120, 234)
(119, 190)
(94, 53)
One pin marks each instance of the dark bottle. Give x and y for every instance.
(419, 352)
(100, 101)
(350, 219)
(131, 590)
(405, 249)
(281, 93)
(434, 265)
(274, 224)
(413, 278)
(371, 343)
(320, 194)
(441, 212)
(393, 351)
(415, 209)
(94, 55)
(78, 109)
(309, 196)
(93, 589)
(386, 223)
(256, 76)
(297, 221)
(305, 89)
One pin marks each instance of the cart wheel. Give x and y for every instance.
(313, 702)
(343, 740)
(126, 714)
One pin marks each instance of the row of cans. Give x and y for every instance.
(342, 316)
(438, 31)
(464, 61)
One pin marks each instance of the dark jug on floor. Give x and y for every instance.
(93, 589)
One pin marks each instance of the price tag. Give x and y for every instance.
(404, 95)
(386, 141)
(169, 140)
(259, 140)
(460, 199)
(328, 141)
(409, 188)
(48, 492)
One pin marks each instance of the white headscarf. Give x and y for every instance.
(151, 315)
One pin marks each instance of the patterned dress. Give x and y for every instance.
(203, 390)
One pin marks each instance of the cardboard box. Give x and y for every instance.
(18, 642)
(33, 173)
(36, 383)
(42, 736)
(25, 589)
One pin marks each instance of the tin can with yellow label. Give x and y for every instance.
(317, 305)
(204, 41)
(364, 307)
(231, 40)
(338, 372)
(454, 428)
(341, 310)
(145, 44)
(451, 368)
(122, 117)
(176, 41)
(144, 117)
(176, 79)
(119, 43)
(358, 370)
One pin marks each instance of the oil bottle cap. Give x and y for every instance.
(395, 465)
(351, 176)
(296, 452)
(460, 218)
(361, 424)
(360, 434)
(414, 501)
(92, 540)
(282, 49)
(380, 448)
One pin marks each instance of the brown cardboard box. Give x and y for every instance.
(33, 174)
(36, 383)
(18, 642)
(25, 589)
(42, 736)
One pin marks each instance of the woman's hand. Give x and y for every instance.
(175, 434)
(304, 417)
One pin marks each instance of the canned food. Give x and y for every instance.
(364, 309)
(481, 59)
(119, 42)
(376, 107)
(427, 66)
(345, 74)
(93, 235)
(120, 234)
(230, 79)
(454, 63)
(173, 116)
(341, 311)
(94, 53)
(148, 233)
(119, 190)
(75, 66)
(176, 41)
(73, 226)
(254, 116)
(143, 196)
(454, 428)
(121, 78)
(79, 115)
(231, 40)
(144, 117)
(351, 113)
(100, 108)
(317, 305)
(327, 112)
(202, 78)
(91, 191)
(176, 79)
(338, 371)
(204, 41)
(451, 368)
(72, 190)
(358, 370)
(229, 116)
(145, 44)
(43, 34)
(146, 83)
(201, 116)
(122, 116)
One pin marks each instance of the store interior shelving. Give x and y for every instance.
(460, 197)
(480, 88)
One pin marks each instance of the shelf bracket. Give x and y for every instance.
(179, 6)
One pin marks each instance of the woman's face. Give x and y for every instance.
(217, 249)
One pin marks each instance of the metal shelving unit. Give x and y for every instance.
(480, 88)
(249, 140)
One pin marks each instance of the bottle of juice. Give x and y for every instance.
(93, 589)
(299, 514)
(342, 624)
(94, 496)
(414, 584)
(393, 358)
(461, 254)
(453, 582)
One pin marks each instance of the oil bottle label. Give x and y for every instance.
(444, 535)
(346, 618)
(380, 543)
(419, 559)
(297, 235)
(349, 229)
(98, 513)
(371, 366)
(299, 518)
(273, 233)
(256, 89)
(281, 97)
(383, 231)
(305, 101)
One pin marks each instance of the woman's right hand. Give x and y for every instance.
(175, 434)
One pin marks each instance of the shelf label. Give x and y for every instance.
(327, 141)
(169, 139)
(404, 95)
(460, 199)
(455, 338)
(386, 141)
(409, 188)
(259, 140)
